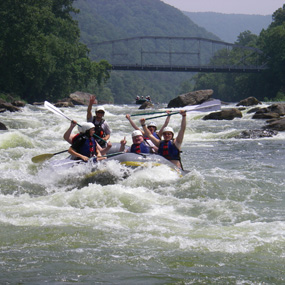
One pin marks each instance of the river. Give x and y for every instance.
(222, 223)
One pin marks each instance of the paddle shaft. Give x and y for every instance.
(58, 112)
(141, 114)
(173, 113)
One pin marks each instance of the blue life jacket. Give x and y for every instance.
(140, 148)
(169, 150)
(84, 145)
(154, 134)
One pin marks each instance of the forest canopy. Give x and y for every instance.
(267, 85)
(44, 53)
(40, 50)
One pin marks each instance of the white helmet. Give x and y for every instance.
(152, 124)
(100, 108)
(168, 129)
(136, 133)
(86, 126)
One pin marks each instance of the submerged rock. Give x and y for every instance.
(146, 105)
(255, 134)
(278, 125)
(3, 127)
(5, 106)
(271, 112)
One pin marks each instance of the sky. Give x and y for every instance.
(258, 7)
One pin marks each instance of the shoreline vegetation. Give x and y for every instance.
(53, 53)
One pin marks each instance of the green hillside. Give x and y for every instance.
(101, 20)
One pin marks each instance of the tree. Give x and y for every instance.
(272, 42)
(40, 53)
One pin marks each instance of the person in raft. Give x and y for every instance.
(102, 129)
(69, 137)
(169, 147)
(84, 145)
(139, 144)
(152, 127)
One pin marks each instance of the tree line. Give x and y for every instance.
(41, 55)
(267, 85)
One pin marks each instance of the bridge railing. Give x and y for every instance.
(152, 53)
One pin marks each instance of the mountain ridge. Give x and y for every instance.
(228, 26)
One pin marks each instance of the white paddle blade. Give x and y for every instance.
(54, 109)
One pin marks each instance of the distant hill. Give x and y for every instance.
(101, 20)
(228, 26)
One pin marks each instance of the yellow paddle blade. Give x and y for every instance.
(42, 157)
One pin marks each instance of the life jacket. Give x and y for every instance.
(84, 145)
(154, 134)
(169, 150)
(141, 148)
(99, 131)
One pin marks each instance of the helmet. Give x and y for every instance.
(168, 129)
(136, 133)
(152, 124)
(100, 108)
(86, 127)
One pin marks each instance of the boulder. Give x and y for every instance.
(253, 110)
(146, 105)
(262, 115)
(8, 107)
(255, 134)
(80, 98)
(250, 101)
(18, 103)
(226, 114)
(3, 127)
(278, 125)
(64, 104)
(277, 108)
(191, 98)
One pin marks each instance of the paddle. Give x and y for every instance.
(45, 156)
(142, 114)
(173, 113)
(112, 154)
(56, 111)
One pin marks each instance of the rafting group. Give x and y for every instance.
(92, 139)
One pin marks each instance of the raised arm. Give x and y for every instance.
(147, 133)
(67, 135)
(165, 124)
(180, 136)
(89, 109)
(132, 123)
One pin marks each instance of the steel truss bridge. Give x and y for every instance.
(178, 54)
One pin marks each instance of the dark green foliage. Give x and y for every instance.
(269, 84)
(40, 53)
(101, 20)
